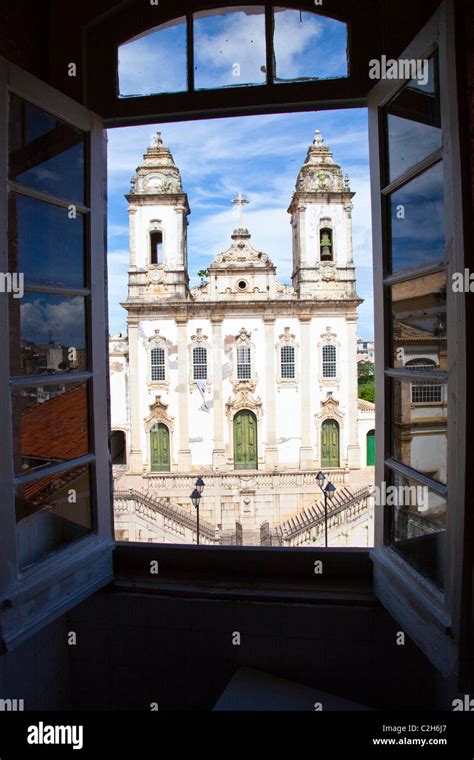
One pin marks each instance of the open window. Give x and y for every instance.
(156, 247)
(55, 468)
(420, 337)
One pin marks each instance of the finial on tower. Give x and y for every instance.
(241, 202)
(133, 184)
(346, 182)
(156, 141)
(318, 138)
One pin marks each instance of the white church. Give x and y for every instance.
(243, 380)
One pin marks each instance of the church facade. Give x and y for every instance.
(243, 375)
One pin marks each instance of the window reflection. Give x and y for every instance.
(417, 220)
(230, 47)
(419, 321)
(308, 46)
(51, 425)
(155, 62)
(420, 425)
(44, 243)
(47, 334)
(45, 153)
(419, 527)
(52, 512)
(414, 123)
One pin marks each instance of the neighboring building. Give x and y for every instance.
(365, 350)
(242, 375)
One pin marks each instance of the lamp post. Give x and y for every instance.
(328, 492)
(195, 499)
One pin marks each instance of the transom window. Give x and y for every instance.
(158, 369)
(329, 361)
(199, 363)
(287, 355)
(228, 47)
(244, 363)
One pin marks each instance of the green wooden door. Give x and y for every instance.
(245, 440)
(330, 444)
(160, 448)
(371, 448)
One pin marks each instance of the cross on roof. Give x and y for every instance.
(241, 202)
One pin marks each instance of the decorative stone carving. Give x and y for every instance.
(159, 413)
(242, 253)
(244, 400)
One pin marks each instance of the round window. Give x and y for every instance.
(242, 285)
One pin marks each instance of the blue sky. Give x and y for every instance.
(258, 155)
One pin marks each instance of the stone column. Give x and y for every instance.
(353, 449)
(306, 450)
(184, 452)
(136, 382)
(271, 451)
(132, 233)
(219, 458)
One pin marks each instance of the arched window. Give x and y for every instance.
(157, 61)
(199, 363)
(287, 359)
(156, 247)
(425, 392)
(329, 361)
(325, 244)
(157, 365)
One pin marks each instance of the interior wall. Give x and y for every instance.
(38, 671)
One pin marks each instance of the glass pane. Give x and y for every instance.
(44, 243)
(51, 425)
(51, 513)
(230, 47)
(418, 526)
(308, 46)
(417, 218)
(420, 426)
(47, 334)
(414, 121)
(45, 153)
(419, 321)
(155, 62)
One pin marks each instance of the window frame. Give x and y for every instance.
(100, 41)
(248, 363)
(432, 618)
(332, 362)
(80, 568)
(155, 365)
(105, 36)
(195, 364)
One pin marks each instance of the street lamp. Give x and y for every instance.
(195, 499)
(328, 492)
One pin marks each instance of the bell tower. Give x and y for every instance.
(158, 210)
(321, 218)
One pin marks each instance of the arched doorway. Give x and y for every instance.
(330, 444)
(371, 448)
(245, 440)
(160, 448)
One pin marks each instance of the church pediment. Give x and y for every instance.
(242, 254)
